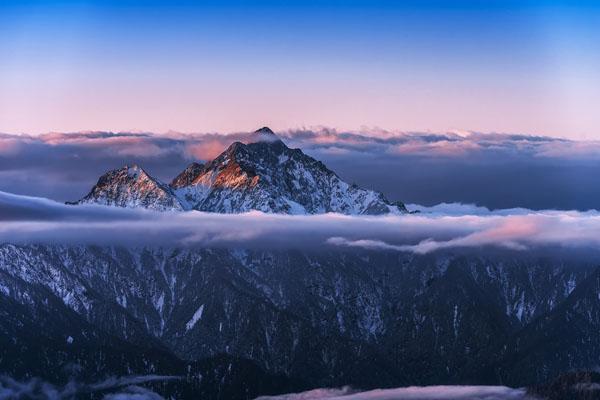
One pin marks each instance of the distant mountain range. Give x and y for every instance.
(263, 175)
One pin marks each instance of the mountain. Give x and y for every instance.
(263, 175)
(131, 186)
(564, 338)
(297, 319)
(187, 176)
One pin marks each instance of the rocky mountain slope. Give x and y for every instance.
(131, 186)
(365, 318)
(263, 175)
(566, 338)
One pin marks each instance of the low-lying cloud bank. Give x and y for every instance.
(34, 220)
(117, 388)
(411, 393)
(537, 172)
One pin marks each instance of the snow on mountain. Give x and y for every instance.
(131, 186)
(263, 175)
(410, 319)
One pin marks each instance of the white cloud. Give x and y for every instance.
(410, 393)
(32, 220)
(119, 388)
(464, 209)
(134, 393)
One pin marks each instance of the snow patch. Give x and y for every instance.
(195, 318)
(295, 208)
(455, 323)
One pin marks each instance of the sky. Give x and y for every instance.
(228, 66)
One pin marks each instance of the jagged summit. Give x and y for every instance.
(188, 175)
(134, 170)
(264, 134)
(132, 186)
(264, 175)
(265, 130)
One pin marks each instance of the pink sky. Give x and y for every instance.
(73, 104)
(529, 70)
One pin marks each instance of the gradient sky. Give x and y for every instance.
(502, 66)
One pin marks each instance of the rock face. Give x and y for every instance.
(564, 339)
(188, 175)
(131, 186)
(263, 175)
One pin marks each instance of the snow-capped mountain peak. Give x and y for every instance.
(134, 170)
(132, 186)
(264, 174)
(265, 134)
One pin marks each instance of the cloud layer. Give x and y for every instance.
(121, 388)
(411, 393)
(493, 170)
(34, 220)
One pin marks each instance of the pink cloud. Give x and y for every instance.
(440, 148)
(10, 145)
(205, 150)
(207, 146)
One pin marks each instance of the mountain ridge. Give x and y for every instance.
(131, 186)
(325, 319)
(263, 174)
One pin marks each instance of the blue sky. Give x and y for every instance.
(504, 66)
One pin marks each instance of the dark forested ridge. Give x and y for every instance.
(249, 322)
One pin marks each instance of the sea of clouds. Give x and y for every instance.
(447, 226)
